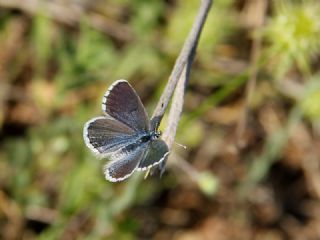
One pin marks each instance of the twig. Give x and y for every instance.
(186, 167)
(185, 56)
(177, 104)
(251, 85)
(261, 7)
(178, 81)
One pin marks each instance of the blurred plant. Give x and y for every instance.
(261, 164)
(293, 34)
(140, 60)
(213, 33)
(145, 20)
(208, 183)
(84, 59)
(42, 41)
(205, 180)
(226, 90)
(311, 99)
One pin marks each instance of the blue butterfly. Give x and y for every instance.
(124, 134)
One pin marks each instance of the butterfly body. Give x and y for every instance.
(124, 134)
(149, 136)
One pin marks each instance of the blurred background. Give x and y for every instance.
(251, 125)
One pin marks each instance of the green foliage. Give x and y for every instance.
(192, 135)
(293, 34)
(43, 31)
(208, 183)
(146, 18)
(84, 59)
(311, 99)
(213, 32)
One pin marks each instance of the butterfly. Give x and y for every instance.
(124, 134)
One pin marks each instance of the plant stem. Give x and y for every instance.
(186, 55)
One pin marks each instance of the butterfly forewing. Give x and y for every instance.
(123, 103)
(104, 135)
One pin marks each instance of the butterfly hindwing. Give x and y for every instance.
(125, 162)
(156, 153)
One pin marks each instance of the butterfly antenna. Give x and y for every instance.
(180, 145)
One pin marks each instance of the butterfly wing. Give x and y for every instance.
(124, 162)
(156, 153)
(123, 103)
(104, 135)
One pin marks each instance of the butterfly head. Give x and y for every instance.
(155, 134)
